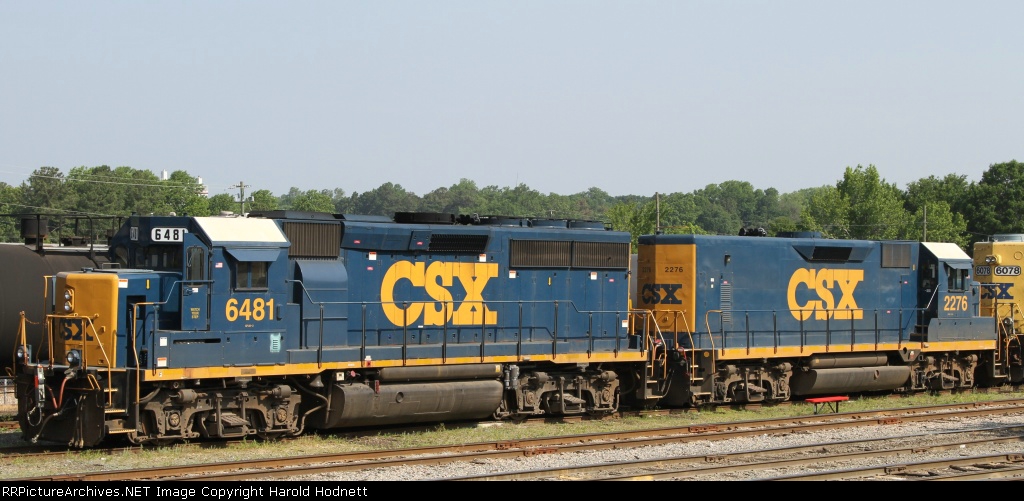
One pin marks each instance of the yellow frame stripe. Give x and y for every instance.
(174, 374)
(806, 351)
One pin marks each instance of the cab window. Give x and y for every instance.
(195, 268)
(957, 279)
(251, 275)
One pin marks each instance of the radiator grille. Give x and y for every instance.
(311, 240)
(564, 254)
(539, 253)
(600, 255)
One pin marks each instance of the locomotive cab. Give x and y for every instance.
(948, 296)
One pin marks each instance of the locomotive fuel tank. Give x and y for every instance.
(851, 372)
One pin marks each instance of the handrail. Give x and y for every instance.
(771, 320)
(50, 320)
(448, 308)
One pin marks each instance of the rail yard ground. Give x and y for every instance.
(195, 453)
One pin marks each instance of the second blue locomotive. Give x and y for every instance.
(753, 319)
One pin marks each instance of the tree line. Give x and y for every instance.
(861, 205)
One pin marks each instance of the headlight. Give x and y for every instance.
(74, 358)
(69, 300)
(23, 353)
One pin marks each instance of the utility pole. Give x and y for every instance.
(241, 195)
(657, 213)
(924, 235)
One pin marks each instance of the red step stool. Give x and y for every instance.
(827, 403)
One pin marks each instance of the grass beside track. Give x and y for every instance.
(441, 434)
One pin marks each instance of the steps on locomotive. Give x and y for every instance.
(920, 333)
(118, 427)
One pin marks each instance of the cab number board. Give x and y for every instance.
(168, 234)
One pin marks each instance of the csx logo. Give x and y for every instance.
(436, 281)
(660, 294)
(996, 290)
(823, 285)
(75, 330)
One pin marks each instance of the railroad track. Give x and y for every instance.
(753, 464)
(318, 464)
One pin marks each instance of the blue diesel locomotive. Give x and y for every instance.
(752, 319)
(275, 323)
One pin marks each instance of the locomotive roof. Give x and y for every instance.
(249, 232)
(945, 250)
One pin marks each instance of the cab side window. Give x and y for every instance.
(251, 275)
(195, 266)
(957, 279)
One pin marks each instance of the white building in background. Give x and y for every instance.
(199, 179)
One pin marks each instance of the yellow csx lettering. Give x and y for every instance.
(824, 282)
(435, 280)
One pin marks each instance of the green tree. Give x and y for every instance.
(876, 207)
(45, 192)
(638, 219)
(182, 195)
(862, 206)
(952, 189)
(10, 198)
(99, 190)
(521, 201)
(144, 191)
(936, 222)
(996, 203)
(287, 200)
(385, 200)
(222, 202)
(342, 203)
(460, 198)
(314, 201)
(827, 211)
(263, 200)
(677, 212)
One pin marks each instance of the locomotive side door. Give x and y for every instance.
(928, 293)
(195, 288)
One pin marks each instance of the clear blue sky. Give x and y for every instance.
(632, 97)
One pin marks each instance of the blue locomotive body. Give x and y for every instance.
(228, 326)
(763, 319)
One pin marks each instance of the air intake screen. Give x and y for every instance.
(562, 254)
(310, 240)
(441, 242)
(600, 255)
(895, 255)
(539, 253)
(840, 254)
